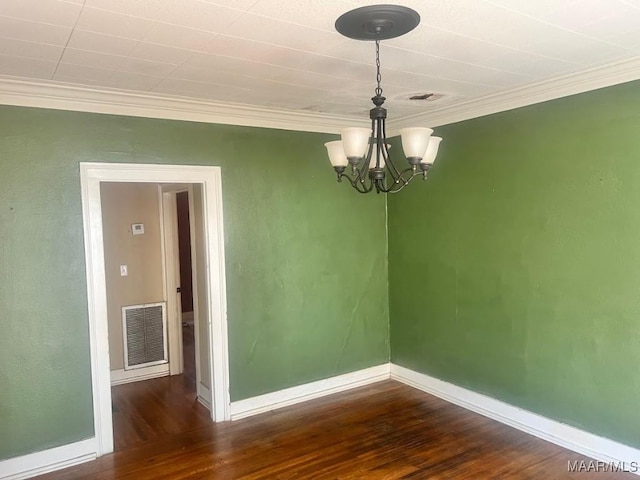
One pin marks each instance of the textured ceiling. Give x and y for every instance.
(286, 54)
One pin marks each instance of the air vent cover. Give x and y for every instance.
(145, 335)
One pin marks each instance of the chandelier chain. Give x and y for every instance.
(378, 75)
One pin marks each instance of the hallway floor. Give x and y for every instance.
(153, 409)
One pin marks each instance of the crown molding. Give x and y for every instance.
(59, 96)
(612, 74)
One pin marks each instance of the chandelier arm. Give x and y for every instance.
(402, 180)
(363, 183)
(412, 173)
(382, 154)
(365, 188)
(395, 174)
(358, 182)
(364, 170)
(366, 161)
(381, 140)
(385, 153)
(405, 181)
(392, 187)
(369, 188)
(354, 182)
(390, 178)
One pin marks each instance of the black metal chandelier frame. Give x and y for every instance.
(375, 169)
(378, 151)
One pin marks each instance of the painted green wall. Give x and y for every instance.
(303, 302)
(515, 271)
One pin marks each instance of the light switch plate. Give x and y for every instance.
(137, 228)
(124, 271)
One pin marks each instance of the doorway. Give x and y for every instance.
(208, 182)
(146, 228)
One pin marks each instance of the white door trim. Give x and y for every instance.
(91, 174)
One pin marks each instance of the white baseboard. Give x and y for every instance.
(46, 461)
(308, 391)
(572, 438)
(118, 377)
(204, 395)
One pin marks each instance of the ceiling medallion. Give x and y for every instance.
(365, 149)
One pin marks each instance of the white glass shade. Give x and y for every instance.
(355, 141)
(432, 150)
(336, 154)
(415, 141)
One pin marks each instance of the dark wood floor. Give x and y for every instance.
(382, 431)
(152, 409)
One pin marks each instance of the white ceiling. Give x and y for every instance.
(285, 54)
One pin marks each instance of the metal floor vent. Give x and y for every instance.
(145, 335)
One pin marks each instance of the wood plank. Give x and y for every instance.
(382, 431)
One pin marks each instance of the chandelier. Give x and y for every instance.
(366, 150)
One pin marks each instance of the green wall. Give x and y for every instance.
(305, 261)
(515, 271)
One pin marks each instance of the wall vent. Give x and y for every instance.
(144, 328)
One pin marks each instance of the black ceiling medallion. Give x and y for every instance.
(377, 22)
(366, 150)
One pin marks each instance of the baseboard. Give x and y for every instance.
(585, 443)
(302, 393)
(39, 463)
(204, 395)
(118, 377)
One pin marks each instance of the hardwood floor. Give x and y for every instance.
(152, 409)
(382, 431)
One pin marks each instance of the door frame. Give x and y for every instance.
(91, 175)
